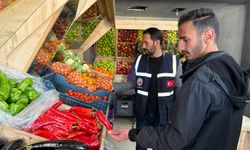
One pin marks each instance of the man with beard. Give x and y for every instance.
(154, 76)
(207, 114)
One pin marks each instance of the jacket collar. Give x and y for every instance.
(189, 67)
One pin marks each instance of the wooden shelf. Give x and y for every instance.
(22, 33)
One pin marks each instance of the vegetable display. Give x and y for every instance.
(76, 123)
(14, 96)
(61, 68)
(85, 96)
(106, 44)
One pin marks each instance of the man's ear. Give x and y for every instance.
(209, 36)
(158, 42)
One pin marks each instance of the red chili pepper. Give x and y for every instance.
(40, 123)
(67, 112)
(58, 118)
(89, 129)
(69, 117)
(85, 112)
(92, 142)
(45, 134)
(101, 116)
(76, 134)
(92, 122)
(57, 104)
(56, 129)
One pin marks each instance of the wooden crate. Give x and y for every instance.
(10, 134)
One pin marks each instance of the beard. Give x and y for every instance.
(151, 51)
(194, 53)
(197, 51)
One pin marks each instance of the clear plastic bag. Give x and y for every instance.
(27, 116)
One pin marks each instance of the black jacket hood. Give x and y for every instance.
(231, 74)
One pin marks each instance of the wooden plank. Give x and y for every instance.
(110, 7)
(45, 10)
(101, 7)
(144, 24)
(41, 41)
(83, 5)
(13, 17)
(107, 9)
(103, 27)
(11, 134)
(103, 134)
(23, 55)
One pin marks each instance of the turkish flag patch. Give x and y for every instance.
(170, 83)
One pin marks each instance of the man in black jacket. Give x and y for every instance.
(207, 113)
(155, 78)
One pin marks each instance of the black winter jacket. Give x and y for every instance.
(207, 114)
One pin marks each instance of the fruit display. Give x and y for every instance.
(127, 35)
(75, 123)
(85, 96)
(88, 28)
(172, 39)
(164, 39)
(90, 12)
(126, 49)
(108, 64)
(104, 83)
(72, 4)
(5, 3)
(73, 33)
(140, 35)
(103, 71)
(47, 52)
(172, 36)
(14, 95)
(105, 46)
(91, 81)
(60, 28)
(123, 67)
(76, 79)
(70, 58)
(2, 4)
(42, 58)
(61, 68)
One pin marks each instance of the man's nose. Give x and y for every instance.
(180, 46)
(143, 46)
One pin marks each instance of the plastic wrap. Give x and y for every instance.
(27, 116)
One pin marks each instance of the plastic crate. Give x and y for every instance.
(124, 105)
(62, 86)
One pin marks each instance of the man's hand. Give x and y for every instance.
(119, 134)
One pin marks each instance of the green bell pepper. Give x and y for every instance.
(23, 100)
(25, 83)
(1, 98)
(15, 95)
(16, 108)
(2, 75)
(13, 83)
(4, 86)
(31, 93)
(3, 105)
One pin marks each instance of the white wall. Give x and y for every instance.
(245, 61)
(232, 21)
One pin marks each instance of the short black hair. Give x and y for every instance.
(155, 34)
(202, 18)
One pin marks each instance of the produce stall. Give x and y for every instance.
(59, 82)
(51, 49)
